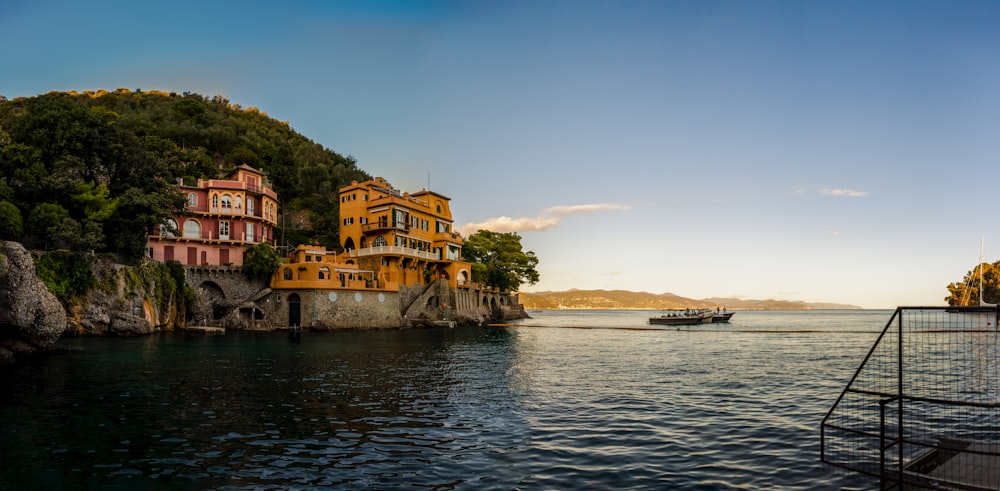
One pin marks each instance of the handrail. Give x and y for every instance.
(902, 370)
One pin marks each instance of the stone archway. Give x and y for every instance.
(212, 293)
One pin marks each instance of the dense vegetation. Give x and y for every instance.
(95, 171)
(967, 292)
(499, 261)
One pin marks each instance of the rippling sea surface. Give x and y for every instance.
(565, 400)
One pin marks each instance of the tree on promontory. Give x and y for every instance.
(499, 261)
(967, 292)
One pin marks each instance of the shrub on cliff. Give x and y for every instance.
(67, 275)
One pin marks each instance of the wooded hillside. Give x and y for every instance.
(95, 171)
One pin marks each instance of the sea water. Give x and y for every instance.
(564, 400)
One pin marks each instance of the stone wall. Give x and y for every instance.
(329, 309)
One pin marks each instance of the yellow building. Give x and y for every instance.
(313, 267)
(406, 239)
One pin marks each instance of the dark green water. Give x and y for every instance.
(534, 407)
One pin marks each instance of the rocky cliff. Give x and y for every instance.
(123, 301)
(31, 318)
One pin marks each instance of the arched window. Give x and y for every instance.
(227, 204)
(192, 200)
(215, 202)
(169, 228)
(192, 229)
(287, 273)
(239, 203)
(324, 273)
(379, 241)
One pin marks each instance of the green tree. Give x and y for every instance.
(145, 211)
(11, 225)
(968, 291)
(499, 260)
(261, 262)
(51, 224)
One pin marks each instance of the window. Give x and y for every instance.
(224, 230)
(249, 206)
(379, 241)
(249, 236)
(192, 229)
(227, 204)
(287, 273)
(309, 258)
(239, 203)
(215, 202)
(192, 200)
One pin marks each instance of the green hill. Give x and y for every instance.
(624, 299)
(94, 171)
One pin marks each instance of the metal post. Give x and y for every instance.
(881, 444)
(899, 393)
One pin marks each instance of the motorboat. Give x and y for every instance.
(685, 317)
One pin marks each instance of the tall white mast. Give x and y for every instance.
(982, 303)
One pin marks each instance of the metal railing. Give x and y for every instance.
(922, 411)
(395, 251)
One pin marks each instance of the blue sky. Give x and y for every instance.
(837, 151)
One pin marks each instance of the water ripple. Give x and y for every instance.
(472, 408)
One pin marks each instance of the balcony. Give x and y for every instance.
(210, 236)
(395, 251)
(382, 226)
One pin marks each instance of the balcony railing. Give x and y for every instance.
(214, 237)
(375, 227)
(395, 251)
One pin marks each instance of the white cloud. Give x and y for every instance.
(546, 219)
(850, 193)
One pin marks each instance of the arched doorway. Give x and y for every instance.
(294, 310)
(211, 291)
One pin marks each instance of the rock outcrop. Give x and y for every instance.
(31, 318)
(121, 305)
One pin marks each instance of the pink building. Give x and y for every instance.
(223, 217)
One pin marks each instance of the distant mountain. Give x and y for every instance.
(624, 299)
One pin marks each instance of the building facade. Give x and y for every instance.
(221, 218)
(408, 239)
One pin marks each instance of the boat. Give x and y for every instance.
(685, 317)
(722, 316)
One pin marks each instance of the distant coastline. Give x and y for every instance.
(629, 300)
